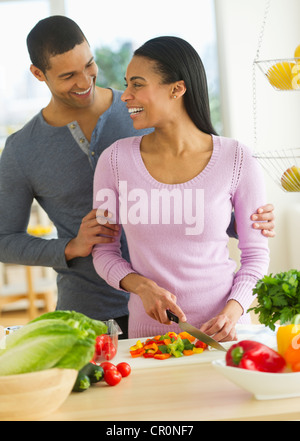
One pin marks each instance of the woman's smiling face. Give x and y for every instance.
(147, 98)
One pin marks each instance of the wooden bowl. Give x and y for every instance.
(34, 395)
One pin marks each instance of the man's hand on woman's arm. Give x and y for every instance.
(90, 233)
(264, 220)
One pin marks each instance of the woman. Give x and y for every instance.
(173, 191)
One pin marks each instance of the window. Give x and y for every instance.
(114, 24)
(21, 96)
(108, 26)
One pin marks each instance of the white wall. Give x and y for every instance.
(239, 24)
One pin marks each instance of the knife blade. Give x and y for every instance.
(195, 332)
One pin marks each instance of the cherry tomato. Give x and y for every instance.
(112, 377)
(99, 344)
(101, 340)
(107, 366)
(108, 351)
(124, 369)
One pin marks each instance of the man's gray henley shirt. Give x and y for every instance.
(55, 165)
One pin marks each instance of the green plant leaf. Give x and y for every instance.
(278, 297)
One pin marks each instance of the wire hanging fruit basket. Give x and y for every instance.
(283, 165)
(282, 74)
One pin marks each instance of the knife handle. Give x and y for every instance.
(172, 316)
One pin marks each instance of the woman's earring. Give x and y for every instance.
(174, 96)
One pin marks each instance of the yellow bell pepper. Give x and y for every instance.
(151, 348)
(138, 345)
(198, 350)
(286, 335)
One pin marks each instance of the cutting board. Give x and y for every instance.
(244, 332)
(123, 354)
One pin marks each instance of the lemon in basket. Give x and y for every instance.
(296, 69)
(297, 52)
(280, 75)
(290, 180)
(296, 76)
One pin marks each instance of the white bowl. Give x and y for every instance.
(34, 395)
(263, 385)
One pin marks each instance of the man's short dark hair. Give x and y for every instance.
(52, 36)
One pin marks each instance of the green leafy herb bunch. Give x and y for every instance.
(278, 298)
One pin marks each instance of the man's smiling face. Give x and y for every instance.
(71, 77)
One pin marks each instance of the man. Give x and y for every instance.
(52, 159)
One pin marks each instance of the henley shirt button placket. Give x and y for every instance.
(81, 140)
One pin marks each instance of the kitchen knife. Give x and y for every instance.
(195, 332)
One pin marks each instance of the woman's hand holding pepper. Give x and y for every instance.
(222, 326)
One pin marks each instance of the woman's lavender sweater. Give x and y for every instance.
(177, 235)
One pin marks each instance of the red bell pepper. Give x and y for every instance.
(255, 356)
(148, 354)
(151, 341)
(199, 344)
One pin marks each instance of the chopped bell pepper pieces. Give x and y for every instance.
(198, 350)
(176, 347)
(137, 353)
(151, 346)
(138, 345)
(188, 352)
(148, 355)
(162, 356)
(187, 344)
(184, 335)
(149, 342)
(200, 344)
(168, 345)
(167, 341)
(172, 335)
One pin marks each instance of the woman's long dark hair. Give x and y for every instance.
(177, 60)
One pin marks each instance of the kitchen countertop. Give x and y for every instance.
(185, 393)
(191, 390)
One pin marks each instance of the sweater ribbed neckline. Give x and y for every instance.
(145, 173)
